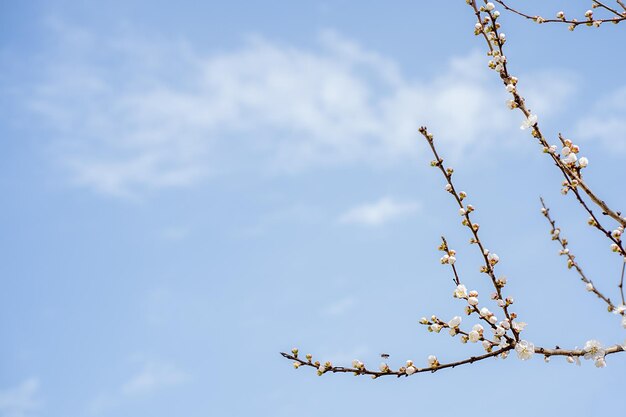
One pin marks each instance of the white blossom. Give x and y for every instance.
(518, 326)
(530, 121)
(572, 359)
(524, 349)
(493, 258)
(583, 162)
(454, 322)
(589, 286)
(460, 291)
(600, 362)
(472, 301)
(410, 370)
(432, 361)
(490, 6)
(569, 159)
(593, 349)
(474, 336)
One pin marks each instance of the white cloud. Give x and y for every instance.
(152, 377)
(606, 122)
(339, 307)
(20, 401)
(132, 116)
(382, 211)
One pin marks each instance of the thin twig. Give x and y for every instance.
(401, 371)
(576, 352)
(621, 282)
(457, 281)
(473, 227)
(610, 9)
(572, 22)
(571, 263)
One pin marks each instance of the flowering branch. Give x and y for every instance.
(568, 163)
(358, 368)
(490, 259)
(573, 23)
(571, 263)
(570, 166)
(506, 333)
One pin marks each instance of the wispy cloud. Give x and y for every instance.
(152, 377)
(132, 116)
(21, 400)
(339, 307)
(382, 211)
(606, 122)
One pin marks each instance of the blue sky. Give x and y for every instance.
(190, 189)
